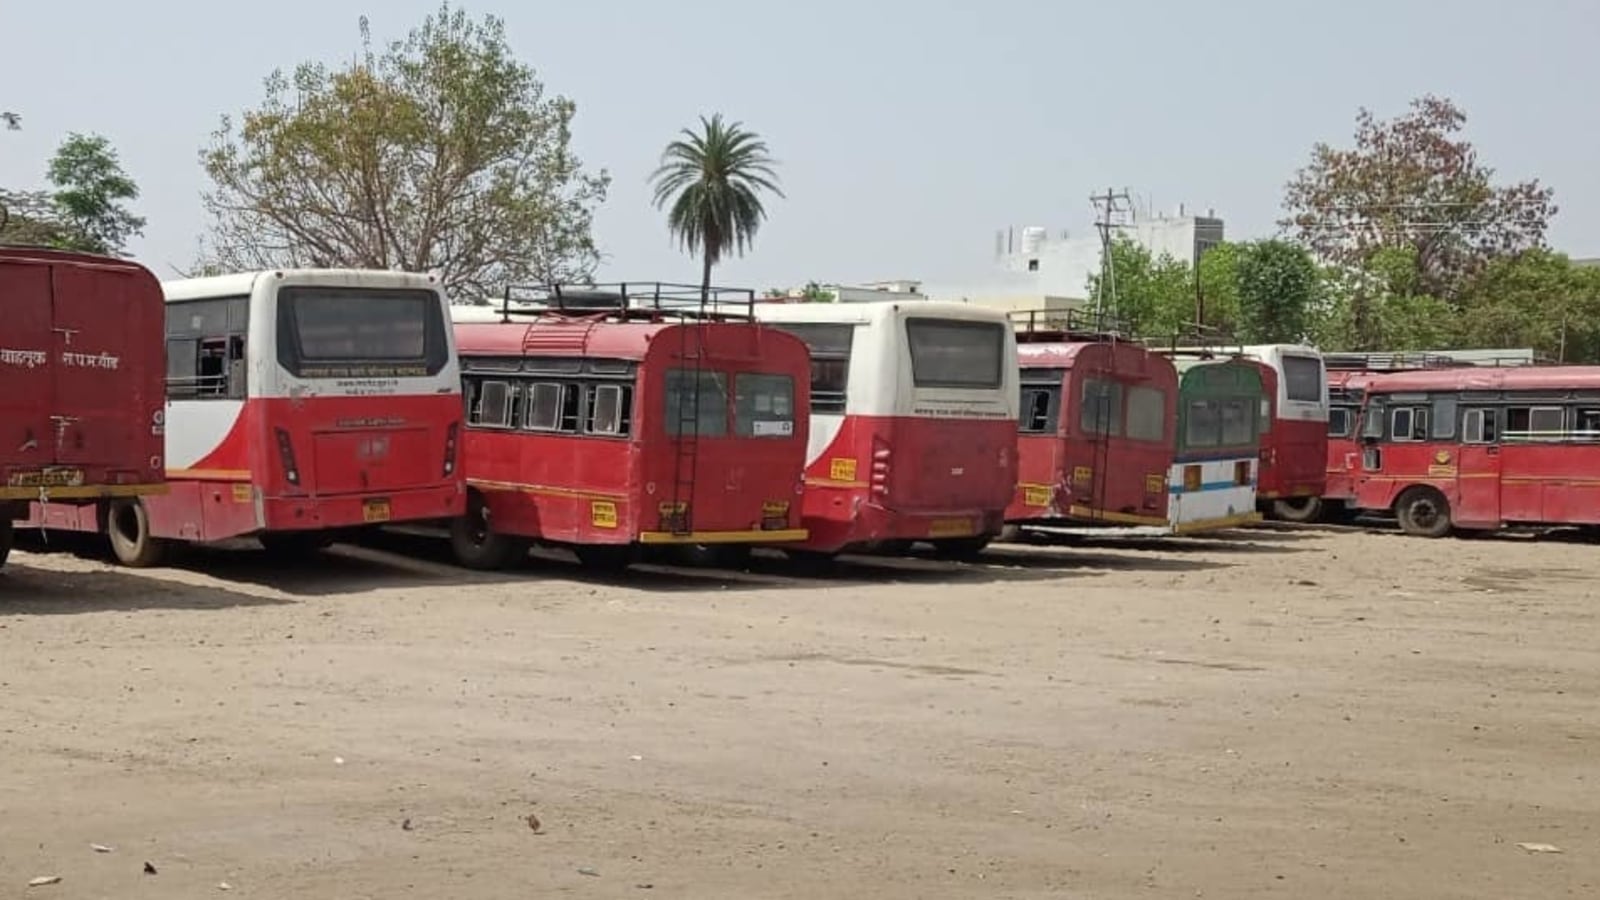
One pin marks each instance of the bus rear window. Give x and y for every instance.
(1302, 378)
(336, 332)
(952, 353)
(697, 405)
(763, 405)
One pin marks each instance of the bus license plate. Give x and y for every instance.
(1036, 495)
(375, 510)
(46, 478)
(943, 528)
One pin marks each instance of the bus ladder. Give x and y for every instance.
(687, 450)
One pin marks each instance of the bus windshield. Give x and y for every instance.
(954, 353)
(1302, 378)
(337, 332)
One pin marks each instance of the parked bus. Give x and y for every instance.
(1481, 448)
(610, 418)
(1095, 434)
(1294, 448)
(913, 423)
(300, 404)
(1222, 403)
(80, 383)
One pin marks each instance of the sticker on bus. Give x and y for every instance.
(243, 493)
(602, 514)
(842, 469)
(1155, 484)
(1082, 475)
(1036, 495)
(46, 478)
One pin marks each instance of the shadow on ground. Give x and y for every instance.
(31, 591)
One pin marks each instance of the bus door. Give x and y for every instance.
(28, 360)
(1100, 414)
(1477, 466)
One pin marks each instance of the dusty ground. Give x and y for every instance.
(1277, 713)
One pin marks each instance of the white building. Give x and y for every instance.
(1063, 264)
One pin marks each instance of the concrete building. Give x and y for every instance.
(1062, 264)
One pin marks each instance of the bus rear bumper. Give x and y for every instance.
(361, 510)
(874, 524)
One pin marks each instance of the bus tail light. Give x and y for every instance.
(1241, 472)
(880, 467)
(450, 435)
(286, 456)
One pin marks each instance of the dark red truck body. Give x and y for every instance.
(82, 381)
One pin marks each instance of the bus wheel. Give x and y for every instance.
(128, 525)
(8, 537)
(604, 557)
(1300, 509)
(290, 545)
(478, 546)
(961, 548)
(1424, 512)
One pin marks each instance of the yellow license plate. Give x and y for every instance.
(375, 511)
(602, 514)
(842, 469)
(46, 478)
(1155, 484)
(943, 528)
(1036, 495)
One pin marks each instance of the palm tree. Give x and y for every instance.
(710, 182)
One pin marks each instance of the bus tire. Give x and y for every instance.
(1299, 509)
(1424, 512)
(8, 538)
(476, 545)
(961, 548)
(604, 557)
(128, 527)
(293, 545)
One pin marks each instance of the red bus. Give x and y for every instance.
(301, 404)
(913, 424)
(80, 383)
(1096, 434)
(610, 418)
(1481, 448)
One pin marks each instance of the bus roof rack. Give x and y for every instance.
(648, 301)
(1074, 325)
(1202, 341)
(1389, 362)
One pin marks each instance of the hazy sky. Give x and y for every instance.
(908, 131)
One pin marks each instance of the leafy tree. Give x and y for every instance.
(1382, 307)
(711, 182)
(1152, 296)
(1412, 182)
(816, 293)
(91, 193)
(1536, 299)
(1277, 287)
(1218, 304)
(440, 153)
(31, 218)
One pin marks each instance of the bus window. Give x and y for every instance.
(1204, 424)
(1478, 426)
(1588, 424)
(706, 409)
(1041, 409)
(1238, 427)
(610, 408)
(343, 332)
(544, 407)
(763, 405)
(830, 361)
(492, 406)
(205, 348)
(1409, 424)
(1101, 410)
(1535, 423)
(1372, 423)
(951, 353)
(1339, 421)
(1147, 414)
(1302, 378)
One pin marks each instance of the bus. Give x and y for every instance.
(80, 383)
(609, 419)
(1294, 449)
(913, 424)
(1482, 448)
(1217, 454)
(300, 405)
(1095, 432)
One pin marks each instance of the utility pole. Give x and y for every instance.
(1113, 210)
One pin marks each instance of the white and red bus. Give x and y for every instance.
(300, 404)
(600, 422)
(1294, 447)
(913, 423)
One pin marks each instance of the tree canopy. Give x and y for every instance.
(87, 208)
(441, 152)
(710, 183)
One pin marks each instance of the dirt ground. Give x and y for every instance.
(1271, 713)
